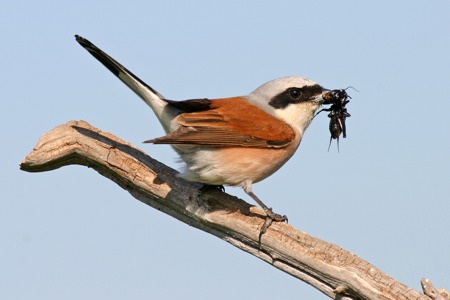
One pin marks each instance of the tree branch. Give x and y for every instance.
(332, 270)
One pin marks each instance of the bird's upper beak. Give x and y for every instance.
(328, 96)
(320, 98)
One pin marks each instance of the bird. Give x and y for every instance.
(234, 141)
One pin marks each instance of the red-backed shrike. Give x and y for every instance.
(233, 141)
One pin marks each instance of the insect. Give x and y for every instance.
(338, 113)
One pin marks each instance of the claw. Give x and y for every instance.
(271, 216)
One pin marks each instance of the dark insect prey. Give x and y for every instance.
(338, 113)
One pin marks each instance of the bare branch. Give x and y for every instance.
(432, 292)
(332, 270)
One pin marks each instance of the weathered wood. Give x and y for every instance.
(432, 292)
(329, 268)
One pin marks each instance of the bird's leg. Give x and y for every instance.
(268, 210)
(271, 216)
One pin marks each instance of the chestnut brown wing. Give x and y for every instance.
(229, 122)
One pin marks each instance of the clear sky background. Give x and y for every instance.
(73, 234)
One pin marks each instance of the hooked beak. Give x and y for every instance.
(320, 98)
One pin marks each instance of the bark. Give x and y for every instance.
(329, 268)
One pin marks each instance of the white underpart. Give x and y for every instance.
(204, 165)
(298, 115)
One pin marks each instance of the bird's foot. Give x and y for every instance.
(271, 216)
(274, 216)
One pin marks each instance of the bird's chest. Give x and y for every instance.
(234, 165)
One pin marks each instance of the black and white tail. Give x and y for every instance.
(153, 99)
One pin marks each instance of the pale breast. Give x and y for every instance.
(234, 165)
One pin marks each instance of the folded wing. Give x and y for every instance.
(228, 122)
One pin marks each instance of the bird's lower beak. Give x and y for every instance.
(319, 98)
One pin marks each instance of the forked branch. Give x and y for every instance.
(332, 270)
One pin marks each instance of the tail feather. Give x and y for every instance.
(154, 99)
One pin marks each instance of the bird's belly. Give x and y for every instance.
(233, 166)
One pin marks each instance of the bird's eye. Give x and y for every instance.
(295, 93)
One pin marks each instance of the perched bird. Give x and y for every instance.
(234, 141)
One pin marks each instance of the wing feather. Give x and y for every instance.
(229, 122)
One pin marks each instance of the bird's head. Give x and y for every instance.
(292, 99)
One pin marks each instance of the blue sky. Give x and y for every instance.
(73, 234)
